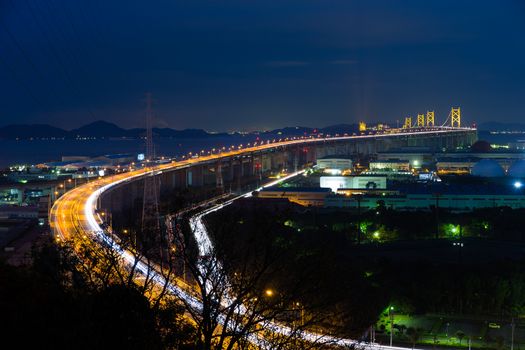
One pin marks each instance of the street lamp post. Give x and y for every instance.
(302, 312)
(391, 311)
(437, 215)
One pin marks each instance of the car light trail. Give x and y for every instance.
(205, 248)
(74, 213)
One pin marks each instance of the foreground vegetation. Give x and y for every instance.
(473, 269)
(50, 304)
(302, 267)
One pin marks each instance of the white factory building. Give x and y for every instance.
(336, 183)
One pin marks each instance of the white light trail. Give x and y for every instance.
(93, 229)
(205, 248)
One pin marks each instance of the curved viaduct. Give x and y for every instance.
(234, 170)
(74, 214)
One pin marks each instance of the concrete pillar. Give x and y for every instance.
(218, 176)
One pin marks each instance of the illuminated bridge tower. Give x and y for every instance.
(408, 123)
(420, 120)
(430, 118)
(455, 117)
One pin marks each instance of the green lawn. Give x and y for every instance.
(450, 331)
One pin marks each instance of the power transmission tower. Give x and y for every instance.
(150, 226)
(455, 117)
(150, 151)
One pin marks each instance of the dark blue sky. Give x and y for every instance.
(250, 64)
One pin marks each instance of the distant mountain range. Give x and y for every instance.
(103, 129)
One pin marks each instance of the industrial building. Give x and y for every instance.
(389, 165)
(108, 161)
(459, 162)
(18, 212)
(446, 196)
(458, 166)
(336, 183)
(415, 156)
(334, 162)
(453, 202)
(300, 195)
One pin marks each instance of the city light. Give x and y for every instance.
(518, 184)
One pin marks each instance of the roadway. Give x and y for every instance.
(73, 215)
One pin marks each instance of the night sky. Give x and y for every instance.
(250, 64)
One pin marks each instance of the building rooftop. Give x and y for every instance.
(393, 161)
(457, 160)
(118, 155)
(336, 156)
(295, 189)
(93, 164)
(60, 164)
(505, 187)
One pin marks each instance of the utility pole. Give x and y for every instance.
(460, 242)
(512, 325)
(437, 215)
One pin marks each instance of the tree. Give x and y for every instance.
(240, 300)
(63, 308)
(100, 268)
(414, 335)
(500, 342)
(460, 335)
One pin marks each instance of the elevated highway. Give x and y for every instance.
(75, 215)
(237, 168)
